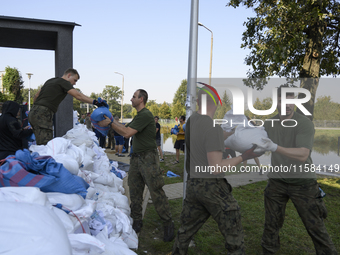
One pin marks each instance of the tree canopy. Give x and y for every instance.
(294, 39)
(12, 83)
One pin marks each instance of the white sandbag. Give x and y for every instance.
(102, 165)
(123, 223)
(31, 229)
(244, 138)
(71, 202)
(86, 210)
(85, 244)
(119, 184)
(90, 192)
(106, 178)
(87, 163)
(76, 153)
(40, 149)
(57, 145)
(114, 245)
(105, 188)
(233, 121)
(31, 195)
(80, 135)
(131, 239)
(88, 176)
(65, 219)
(68, 162)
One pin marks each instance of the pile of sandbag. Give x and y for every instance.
(95, 222)
(245, 134)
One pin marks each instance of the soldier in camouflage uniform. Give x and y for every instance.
(144, 164)
(209, 194)
(47, 100)
(291, 147)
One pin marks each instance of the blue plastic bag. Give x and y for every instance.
(174, 130)
(171, 174)
(26, 170)
(98, 115)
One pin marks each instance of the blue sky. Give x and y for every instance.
(147, 41)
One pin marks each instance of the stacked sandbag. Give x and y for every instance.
(99, 222)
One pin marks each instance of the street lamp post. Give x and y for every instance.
(211, 50)
(121, 107)
(29, 90)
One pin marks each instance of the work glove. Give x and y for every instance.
(100, 102)
(267, 145)
(249, 154)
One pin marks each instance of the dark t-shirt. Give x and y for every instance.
(53, 92)
(201, 137)
(158, 133)
(300, 136)
(144, 139)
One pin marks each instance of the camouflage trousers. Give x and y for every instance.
(205, 197)
(309, 205)
(144, 170)
(41, 120)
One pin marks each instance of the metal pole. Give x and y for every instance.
(121, 106)
(211, 54)
(29, 90)
(192, 74)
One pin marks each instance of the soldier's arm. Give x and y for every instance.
(80, 96)
(300, 154)
(127, 132)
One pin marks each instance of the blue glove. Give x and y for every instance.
(100, 102)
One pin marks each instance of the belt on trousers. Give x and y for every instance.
(141, 154)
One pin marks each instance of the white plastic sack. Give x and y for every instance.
(31, 195)
(76, 153)
(244, 138)
(31, 229)
(85, 244)
(114, 245)
(70, 201)
(86, 210)
(65, 219)
(57, 145)
(233, 121)
(68, 162)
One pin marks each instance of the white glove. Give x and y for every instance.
(267, 145)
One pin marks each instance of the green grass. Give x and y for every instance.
(293, 236)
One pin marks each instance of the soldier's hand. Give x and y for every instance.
(105, 122)
(249, 154)
(267, 145)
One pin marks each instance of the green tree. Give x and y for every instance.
(24, 94)
(12, 83)
(76, 105)
(180, 99)
(177, 110)
(112, 94)
(165, 111)
(265, 104)
(326, 109)
(292, 39)
(133, 112)
(154, 109)
(127, 108)
(222, 109)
